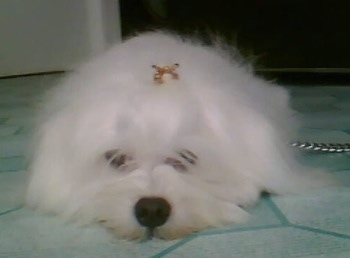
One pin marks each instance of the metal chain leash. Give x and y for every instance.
(322, 147)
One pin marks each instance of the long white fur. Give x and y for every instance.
(238, 125)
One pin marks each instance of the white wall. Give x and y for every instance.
(53, 35)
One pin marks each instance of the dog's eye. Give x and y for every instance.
(116, 158)
(185, 158)
(175, 163)
(188, 156)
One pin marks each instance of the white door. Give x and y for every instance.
(53, 35)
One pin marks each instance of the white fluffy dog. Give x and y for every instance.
(163, 135)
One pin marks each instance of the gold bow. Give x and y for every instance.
(160, 71)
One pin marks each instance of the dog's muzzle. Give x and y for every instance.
(152, 212)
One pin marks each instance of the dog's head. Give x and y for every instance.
(138, 157)
(152, 162)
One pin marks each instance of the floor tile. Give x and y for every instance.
(13, 146)
(13, 163)
(326, 210)
(8, 130)
(12, 185)
(270, 243)
(25, 233)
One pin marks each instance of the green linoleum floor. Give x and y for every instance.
(313, 225)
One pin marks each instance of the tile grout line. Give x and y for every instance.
(321, 231)
(10, 211)
(174, 246)
(11, 157)
(276, 211)
(247, 229)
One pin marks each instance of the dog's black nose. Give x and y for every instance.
(152, 212)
